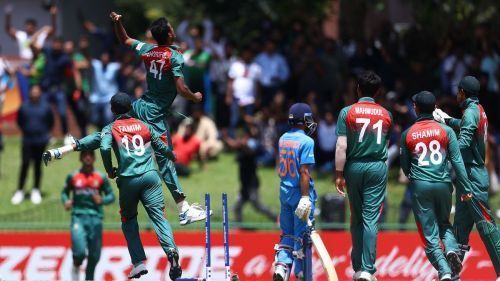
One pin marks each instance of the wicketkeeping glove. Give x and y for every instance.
(440, 116)
(304, 208)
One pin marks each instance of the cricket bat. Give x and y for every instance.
(325, 258)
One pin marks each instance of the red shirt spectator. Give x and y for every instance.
(186, 147)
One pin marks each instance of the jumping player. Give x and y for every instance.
(363, 135)
(297, 193)
(90, 190)
(132, 141)
(164, 78)
(426, 148)
(472, 138)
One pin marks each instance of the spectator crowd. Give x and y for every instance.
(248, 88)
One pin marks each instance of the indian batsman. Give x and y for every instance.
(473, 132)
(133, 143)
(164, 77)
(363, 131)
(297, 193)
(85, 192)
(426, 148)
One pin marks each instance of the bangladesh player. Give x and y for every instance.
(297, 193)
(85, 192)
(363, 136)
(133, 142)
(164, 77)
(426, 148)
(472, 137)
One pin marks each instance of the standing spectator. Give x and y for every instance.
(186, 147)
(56, 63)
(73, 87)
(219, 68)
(247, 147)
(275, 71)
(104, 85)
(6, 74)
(196, 63)
(35, 120)
(454, 68)
(205, 131)
(242, 88)
(327, 139)
(24, 37)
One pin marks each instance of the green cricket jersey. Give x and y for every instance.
(133, 143)
(426, 148)
(83, 185)
(89, 143)
(473, 132)
(367, 126)
(163, 64)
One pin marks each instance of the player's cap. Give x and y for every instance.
(425, 100)
(297, 113)
(120, 103)
(470, 85)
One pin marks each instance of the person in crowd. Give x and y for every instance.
(25, 37)
(52, 81)
(327, 139)
(104, 85)
(246, 147)
(205, 131)
(6, 79)
(242, 88)
(454, 68)
(73, 88)
(186, 147)
(35, 120)
(196, 61)
(275, 71)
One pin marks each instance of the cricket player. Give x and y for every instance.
(137, 179)
(426, 148)
(363, 131)
(164, 77)
(297, 193)
(473, 130)
(85, 192)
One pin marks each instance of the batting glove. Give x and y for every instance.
(304, 208)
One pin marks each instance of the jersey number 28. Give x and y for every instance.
(435, 158)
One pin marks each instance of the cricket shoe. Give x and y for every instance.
(36, 196)
(365, 276)
(75, 273)
(138, 271)
(175, 267)
(454, 262)
(280, 272)
(17, 198)
(193, 214)
(446, 277)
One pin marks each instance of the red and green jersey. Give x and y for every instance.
(81, 186)
(473, 132)
(367, 126)
(426, 148)
(133, 143)
(163, 64)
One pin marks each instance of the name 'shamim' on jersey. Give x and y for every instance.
(426, 134)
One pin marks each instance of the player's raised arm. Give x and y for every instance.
(11, 31)
(184, 90)
(120, 31)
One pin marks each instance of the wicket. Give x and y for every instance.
(208, 243)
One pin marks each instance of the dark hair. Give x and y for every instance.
(425, 109)
(30, 21)
(120, 103)
(83, 152)
(159, 30)
(369, 84)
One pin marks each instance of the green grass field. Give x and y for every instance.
(219, 176)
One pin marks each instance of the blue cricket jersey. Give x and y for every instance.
(295, 149)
